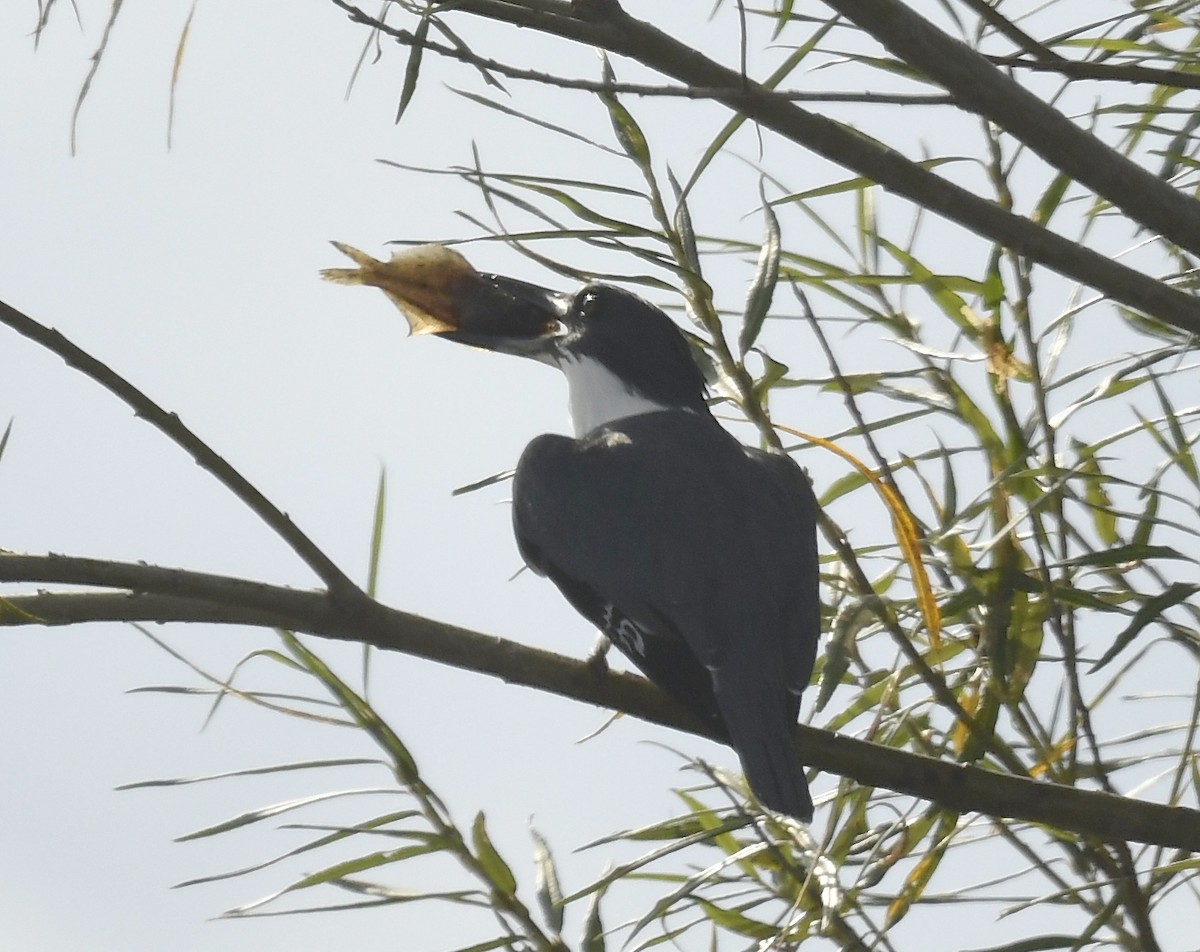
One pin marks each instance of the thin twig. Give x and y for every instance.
(339, 584)
(607, 87)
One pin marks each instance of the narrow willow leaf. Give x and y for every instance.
(549, 894)
(524, 117)
(682, 222)
(251, 772)
(176, 67)
(4, 438)
(689, 885)
(377, 532)
(469, 56)
(592, 939)
(335, 836)
(1149, 518)
(739, 117)
(1026, 629)
(412, 69)
(773, 373)
(737, 922)
(358, 708)
(1150, 612)
(370, 861)
(1041, 943)
(1096, 496)
(938, 289)
(1051, 199)
(276, 809)
(766, 277)
(916, 881)
(502, 942)
(838, 653)
(629, 134)
(498, 872)
(114, 10)
(485, 482)
(1132, 552)
(908, 536)
(858, 183)
(708, 819)
(384, 896)
(1182, 449)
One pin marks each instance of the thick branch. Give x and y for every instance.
(163, 595)
(657, 50)
(982, 88)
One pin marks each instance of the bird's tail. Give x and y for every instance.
(760, 730)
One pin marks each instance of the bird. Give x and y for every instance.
(693, 554)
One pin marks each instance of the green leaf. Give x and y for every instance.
(858, 183)
(1026, 630)
(1051, 199)
(938, 289)
(773, 373)
(362, 712)
(629, 134)
(1149, 518)
(1182, 448)
(503, 942)
(1131, 552)
(777, 76)
(1096, 496)
(413, 68)
(337, 835)
(251, 772)
(735, 921)
(484, 483)
(766, 277)
(1150, 612)
(682, 223)
(1041, 943)
(498, 872)
(592, 939)
(377, 532)
(549, 894)
(370, 861)
(916, 881)
(276, 809)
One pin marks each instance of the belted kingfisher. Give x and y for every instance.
(694, 554)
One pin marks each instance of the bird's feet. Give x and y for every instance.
(597, 660)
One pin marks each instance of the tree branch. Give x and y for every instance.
(340, 586)
(624, 35)
(982, 88)
(157, 594)
(1113, 72)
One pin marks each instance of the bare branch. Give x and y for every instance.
(157, 594)
(174, 429)
(982, 88)
(622, 34)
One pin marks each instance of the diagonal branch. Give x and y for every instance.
(622, 34)
(982, 88)
(157, 594)
(340, 586)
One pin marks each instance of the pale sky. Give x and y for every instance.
(193, 272)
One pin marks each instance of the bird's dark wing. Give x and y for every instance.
(584, 515)
(801, 579)
(707, 566)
